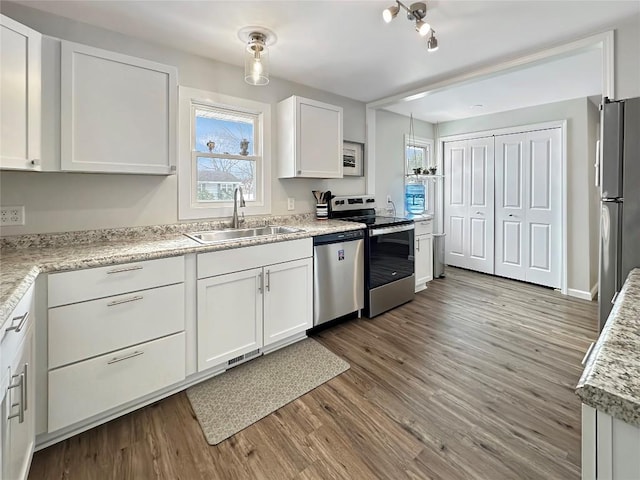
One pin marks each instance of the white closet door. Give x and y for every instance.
(469, 210)
(528, 206)
(511, 242)
(456, 203)
(481, 204)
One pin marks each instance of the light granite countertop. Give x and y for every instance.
(611, 378)
(23, 258)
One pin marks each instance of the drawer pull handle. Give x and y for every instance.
(126, 357)
(260, 282)
(267, 285)
(126, 269)
(22, 319)
(418, 244)
(125, 300)
(19, 384)
(586, 355)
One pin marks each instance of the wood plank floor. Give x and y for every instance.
(473, 379)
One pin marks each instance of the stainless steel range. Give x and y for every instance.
(389, 264)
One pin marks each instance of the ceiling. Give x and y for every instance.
(575, 76)
(344, 46)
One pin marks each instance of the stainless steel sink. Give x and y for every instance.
(215, 236)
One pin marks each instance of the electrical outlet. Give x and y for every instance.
(291, 203)
(12, 216)
(389, 199)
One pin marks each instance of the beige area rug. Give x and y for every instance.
(232, 401)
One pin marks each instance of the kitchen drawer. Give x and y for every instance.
(10, 337)
(423, 227)
(82, 390)
(246, 258)
(81, 285)
(88, 329)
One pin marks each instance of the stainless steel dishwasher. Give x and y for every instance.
(338, 275)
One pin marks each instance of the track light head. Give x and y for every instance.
(390, 13)
(432, 42)
(422, 27)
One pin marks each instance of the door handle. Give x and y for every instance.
(22, 320)
(20, 385)
(479, 213)
(260, 282)
(267, 283)
(418, 244)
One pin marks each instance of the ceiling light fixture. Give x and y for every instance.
(256, 56)
(415, 12)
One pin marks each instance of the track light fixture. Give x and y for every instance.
(256, 56)
(415, 12)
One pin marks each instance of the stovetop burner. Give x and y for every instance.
(362, 209)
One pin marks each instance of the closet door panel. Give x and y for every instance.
(481, 204)
(544, 207)
(511, 243)
(456, 171)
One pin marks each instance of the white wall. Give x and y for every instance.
(580, 188)
(627, 58)
(57, 202)
(390, 131)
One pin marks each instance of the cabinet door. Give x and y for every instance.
(424, 261)
(319, 140)
(229, 316)
(19, 96)
(118, 113)
(21, 402)
(288, 300)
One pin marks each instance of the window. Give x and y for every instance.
(418, 153)
(224, 144)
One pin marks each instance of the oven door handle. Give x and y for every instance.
(374, 232)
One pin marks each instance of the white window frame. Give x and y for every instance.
(411, 141)
(188, 208)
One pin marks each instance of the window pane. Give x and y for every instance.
(416, 158)
(217, 178)
(225, 132)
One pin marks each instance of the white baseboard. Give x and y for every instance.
(582, 294)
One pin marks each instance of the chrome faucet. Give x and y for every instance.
(235, 222)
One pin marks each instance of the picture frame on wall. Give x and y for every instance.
(353, 159)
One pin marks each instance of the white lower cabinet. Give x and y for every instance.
(243, 312)
(288, 300)
(229, 317)
(423, 253)
(114, 334)
(17, 425)
(610, 447)
(85, 389)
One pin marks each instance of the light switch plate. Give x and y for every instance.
(12, 215)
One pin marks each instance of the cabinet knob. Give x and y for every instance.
(35, 162)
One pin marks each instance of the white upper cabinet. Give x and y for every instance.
(20, 54)
(309, 139)
(118, 113)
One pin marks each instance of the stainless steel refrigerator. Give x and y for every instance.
(620, 198)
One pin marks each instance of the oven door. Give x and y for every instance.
(390, 254)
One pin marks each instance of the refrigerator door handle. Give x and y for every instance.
(596, 166)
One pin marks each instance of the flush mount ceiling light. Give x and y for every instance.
(415, 13)
(256, 55)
